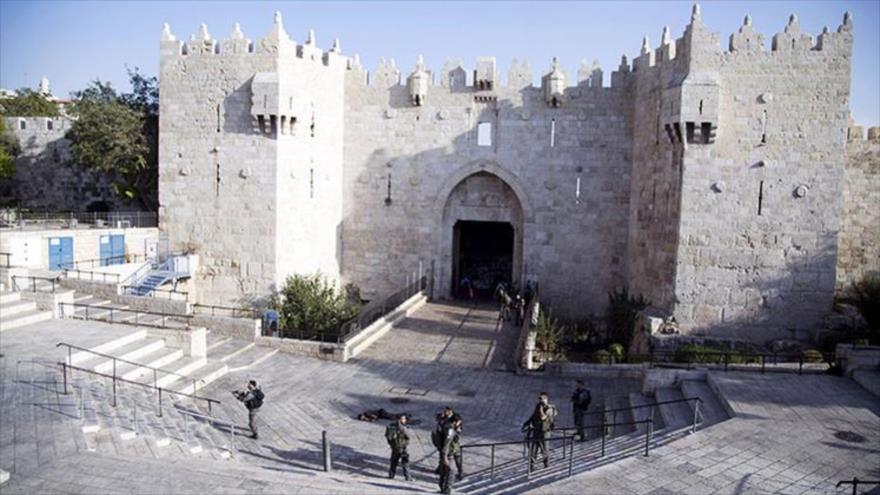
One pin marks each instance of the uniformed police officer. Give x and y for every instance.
(398, 439)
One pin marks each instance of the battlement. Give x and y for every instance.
(203, 44)
(697, 37)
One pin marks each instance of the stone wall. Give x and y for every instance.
(762, 195)
(46, 178)
(858, 252)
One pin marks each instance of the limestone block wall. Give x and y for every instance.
(45, 176)
(858, 253)
(761, 205)
(217, 169)
(568, 167)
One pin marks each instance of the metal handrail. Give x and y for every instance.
(726, 355)
(112, 260)
(143, 312)
(213, 419)
(66, 366)
(375, 310)
(642, 406)
(140, 365)
(128, 288)
(232, 309)
(855, 482)
(91, 273)
(33, 281)
(134, 277)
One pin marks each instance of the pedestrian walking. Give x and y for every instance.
(398, 439)
(537, 427)
(450, 449)
(253, 401)
(580, 402)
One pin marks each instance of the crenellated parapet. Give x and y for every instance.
(276, 41)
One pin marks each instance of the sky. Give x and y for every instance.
(75, 42)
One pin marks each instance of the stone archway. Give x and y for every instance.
(479, 195)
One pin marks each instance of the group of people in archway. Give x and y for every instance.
(513, 302)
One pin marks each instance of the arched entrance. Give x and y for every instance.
(481, 235)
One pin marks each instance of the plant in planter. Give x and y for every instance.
(548, 337)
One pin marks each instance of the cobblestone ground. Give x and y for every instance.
(785, 437)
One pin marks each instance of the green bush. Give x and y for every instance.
(549, 336)
(865, 296)
(601, 356)
(310, 306)
(620, 317)
(813, 356)
(617, 351)
(695, 353)
(861, 342)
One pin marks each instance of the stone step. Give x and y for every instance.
(108, 347)
(675, 415)
(250, 357)
(25, 318)
(8, 297)
(202, 376)
(91, 300)
(142, 372)
(228, 348)
(10, 309)
(711, 410)
(184, 367)
(108, 312)
(129, 352)
(624, 415)
(643, 413)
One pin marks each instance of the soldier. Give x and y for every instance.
(450, 451)
(398, 439)
(580, 402)
(539, 424)
(253, 401)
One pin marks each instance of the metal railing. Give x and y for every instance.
(136, 275)
(106, 261)
(377, 309)
(697, 401)
(228, 311)
(137, 318)
(213, 420)
(5, 259)
(727, 358)
(31, 283)
(163, 293)
(22, 219)
(855, 482)
(91, 275)
(115, 378)
(567, 442)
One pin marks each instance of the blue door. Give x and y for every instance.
(60, 253)
(112, 250)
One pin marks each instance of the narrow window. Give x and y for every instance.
(49, 125)
(689, 128)
(701, 107)
(22, 125)
(217, 187)
(292, 125)
(312, 127)
(261, 121)
(311, 183)
(552, 133)
(706, 132)
(265, 101)
(577, 191)
(760, 197)
(218, 117)
(388, 192)
(764, 127)
(484, 134)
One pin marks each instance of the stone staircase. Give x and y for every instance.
(97, 308)
(670, 422)
(16, 312)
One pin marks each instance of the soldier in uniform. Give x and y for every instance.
(450, 452)
(398, 439)
(580, 402)
(539, 424)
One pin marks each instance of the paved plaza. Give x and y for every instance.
(790, 433)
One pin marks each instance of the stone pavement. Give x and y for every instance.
(456, 334)
(784, 438)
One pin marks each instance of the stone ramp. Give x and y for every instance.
(469, 336)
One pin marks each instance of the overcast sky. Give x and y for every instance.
(75, 42)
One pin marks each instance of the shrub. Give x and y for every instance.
(311, 305)
(620, 317)
(865, 296)
(617, 351)
(602, 356)
(813, 356)
(548, 336)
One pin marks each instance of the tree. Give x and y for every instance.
(311, 305)
(9, 149)
(118, 134)
(28, 103)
